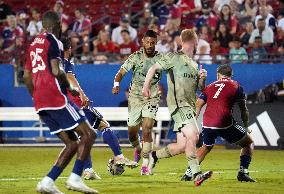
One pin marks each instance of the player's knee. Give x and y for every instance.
(72, 146)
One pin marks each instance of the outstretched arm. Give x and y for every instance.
(146, 88)
(117, 79)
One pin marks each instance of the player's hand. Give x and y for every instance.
(115, 90)
(85, 100)
(74, 91)
(146, 91)
(248, 130)
(202, 73)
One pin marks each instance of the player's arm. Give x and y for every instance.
(74, 82)
(244, 112)
(117, 79)
(60, 75)
(202, 75)
(152, 71)
(241, 99)
(29, 81)
(201, 101)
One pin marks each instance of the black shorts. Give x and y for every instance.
(93, 116)
(232, 134)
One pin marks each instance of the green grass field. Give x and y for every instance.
(21, 168)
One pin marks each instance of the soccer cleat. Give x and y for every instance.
(79, 185)
(187, 175)
(47, 187)
(201, 177)
(137, 155)
(125, 162)
(145, 171)
(242, 176)
(90, 174)
(152, 162)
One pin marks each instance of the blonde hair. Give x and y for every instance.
(188, 34)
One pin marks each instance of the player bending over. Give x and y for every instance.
(95, 119)
(47, 83)
(183, 80)
(218, 121)
(141, 111)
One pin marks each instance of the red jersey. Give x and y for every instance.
(127, 49)
(220, 97)
(48, 95)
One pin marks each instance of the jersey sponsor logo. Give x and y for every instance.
(38, 41)
(37, 61)
(266, 134)
(189, 75)
(221, 86)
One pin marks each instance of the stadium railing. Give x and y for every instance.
(14, 114)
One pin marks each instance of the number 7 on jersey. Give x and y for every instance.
(221, 86)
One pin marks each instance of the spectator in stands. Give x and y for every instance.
(12, 35)
(270, 20)
(167, 10)
(103, 47)
(58, 8)
(219, 4)
(265, 32)
(237, 53)
(35, 25)
(164, 44)
(247, 11)
(128, 46)
(21, 18)
(172, 28)
(245, 36)
(190, 7)
(207, 18)
(224, 35)
(281, 21)
(263, 3)
(154, 25)
(5, 10)
(218, 52)
(203, 49)
(124, 103)
(80, 32)
(227, 18)
(116, 36)
(258, 52)
(146, 20)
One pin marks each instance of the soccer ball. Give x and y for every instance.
(114, 169)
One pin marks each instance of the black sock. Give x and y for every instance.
(244, 162)
(154, 155)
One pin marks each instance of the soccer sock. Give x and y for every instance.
(88, 163)
(55, 172)
(163, 153)
(244, 162)
(194, 165)
(147, 147)
(136, 143)
(111, 139)
(78, 167)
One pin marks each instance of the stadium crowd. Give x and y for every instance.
(108, 31)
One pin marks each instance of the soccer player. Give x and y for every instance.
(47, 83)
(183, 81)
(95, 119)
(220, 97)
(141, 111)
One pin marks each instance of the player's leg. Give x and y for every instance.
(71, 145)
(134, 122)
(87, 138)
(238, 135)
(191, 132)
(208, 136)
(147, 127)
